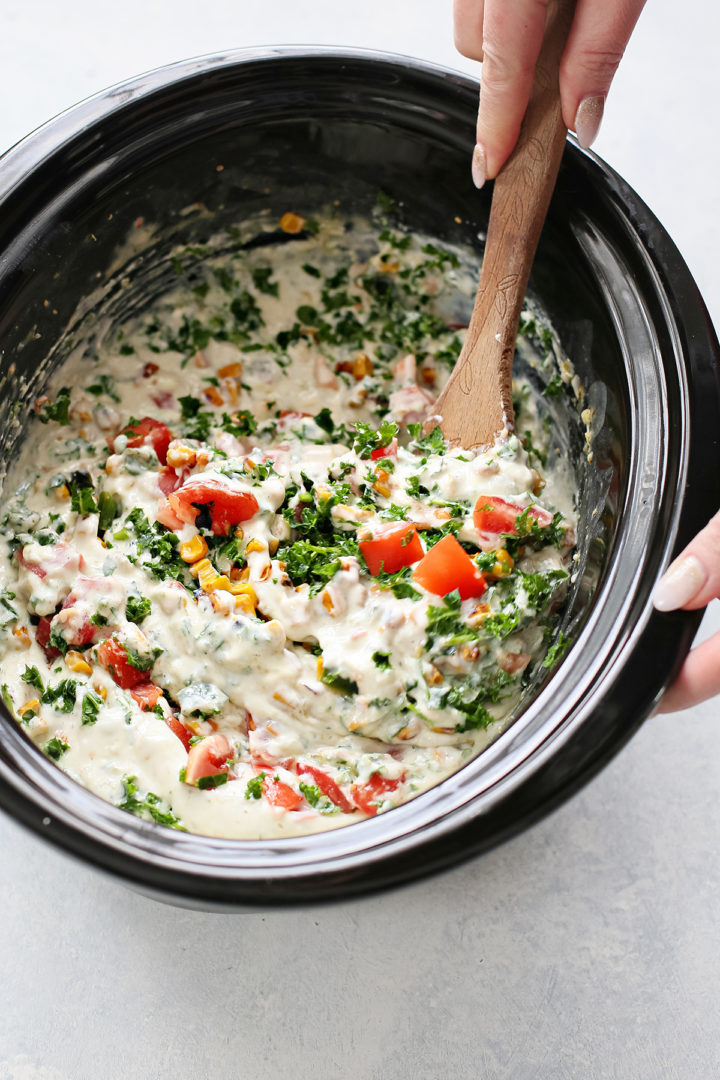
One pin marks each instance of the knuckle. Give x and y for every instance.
(501, 72)
(598, 64)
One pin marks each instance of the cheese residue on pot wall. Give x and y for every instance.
(242, 593)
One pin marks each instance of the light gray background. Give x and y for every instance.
(586, 948)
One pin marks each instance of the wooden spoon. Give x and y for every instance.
(476, 404)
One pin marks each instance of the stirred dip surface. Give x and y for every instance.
(242, 593)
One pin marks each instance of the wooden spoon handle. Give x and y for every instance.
(476, 404)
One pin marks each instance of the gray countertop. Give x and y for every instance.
(588, 947)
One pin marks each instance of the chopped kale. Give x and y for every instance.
(556, 651)
(90, 707)
(471, 699)
(32, 677)
(324, 420)
(105, 385)
(339, 682)
(432, 443)
(147, 807)
(196, 420)
(539, 588)
(58, 410)
(316, 564)
(445, 626)
(554, 387)
(55, 748)
(61, 697)
(82, 493)
(137, 608)
(157, 546)
(530, 533)
(261, 280)
(246, 312)
(141, 661)
(381, 660)
(395, 240)
(368, 439)
(241, 423)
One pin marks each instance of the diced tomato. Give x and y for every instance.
(42, 636)
(208, 758)
(292, 414)
(495, 515)
(150, 432)
(167, 516)
(170, 480)
(327, 785)
(147, 695)
(447, 566)
(368, 795)
(280, 794)
(178, 728)
(34, 568)
(225, 504)
(73, 631)
(55, 558)
(113, 656)
(163, 399)
(391, 547)
(385, 451)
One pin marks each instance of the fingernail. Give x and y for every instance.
(479, 168)
(682, 581)
(588, 119)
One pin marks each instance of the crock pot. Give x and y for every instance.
(209, 141)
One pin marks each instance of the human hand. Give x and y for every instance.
(691, 582)
(506, 36)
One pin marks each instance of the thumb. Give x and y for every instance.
(693, 579)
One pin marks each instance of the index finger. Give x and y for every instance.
(511, 41)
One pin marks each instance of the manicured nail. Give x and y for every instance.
(682, 581)
(479, 168)
(588, 119)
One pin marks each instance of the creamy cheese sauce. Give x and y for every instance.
(242, 593)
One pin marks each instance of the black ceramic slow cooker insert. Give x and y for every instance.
(295, 128)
